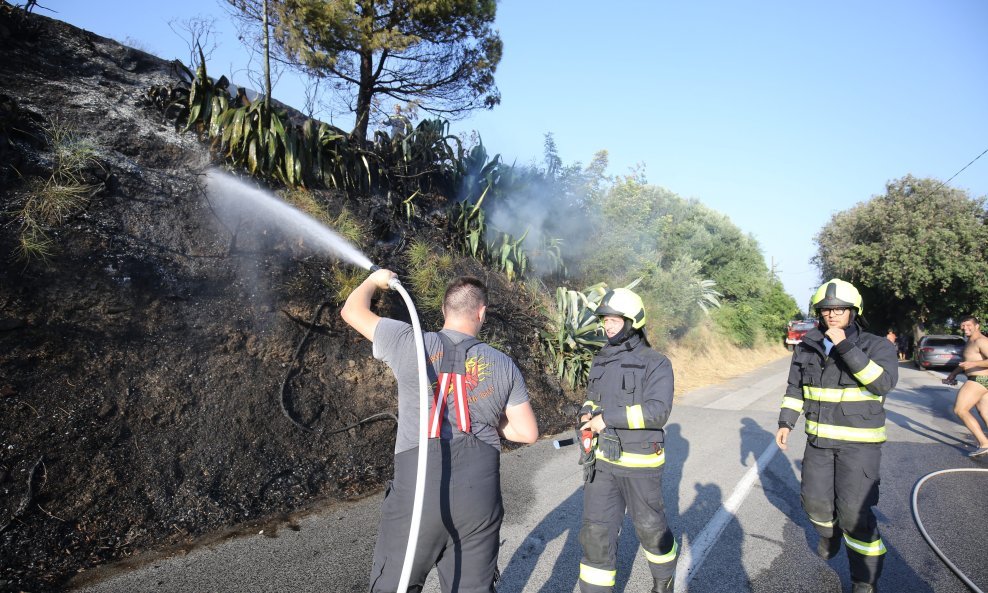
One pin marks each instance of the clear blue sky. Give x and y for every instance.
(776, 113)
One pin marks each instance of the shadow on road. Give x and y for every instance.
(564, 522)
(724, 564)
(677, 452)
(927, 400)
(779, 481)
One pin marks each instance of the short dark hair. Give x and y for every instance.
(970, 318)
(464, 295)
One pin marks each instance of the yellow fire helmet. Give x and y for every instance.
(837, 293)
(623, 303)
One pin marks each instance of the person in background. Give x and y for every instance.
(839, 378)
(902, 346)
(479, 398)
(974, 392)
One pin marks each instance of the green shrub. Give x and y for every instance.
(306, 201)
(740, 323)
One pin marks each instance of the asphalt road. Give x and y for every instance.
(731, 495)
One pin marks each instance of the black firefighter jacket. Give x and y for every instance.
(843, 394)
(633, 387)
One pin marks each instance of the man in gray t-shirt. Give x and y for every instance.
(462, 510)
(493, 382)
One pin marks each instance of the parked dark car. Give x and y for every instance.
(938, 351)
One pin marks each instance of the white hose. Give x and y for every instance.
(926, 536)
(413, 530)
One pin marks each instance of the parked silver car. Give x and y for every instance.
(938, 351)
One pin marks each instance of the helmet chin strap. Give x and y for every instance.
(621, 335)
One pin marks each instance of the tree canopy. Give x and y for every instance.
(690, 258)
(918, 253)
(437, 56)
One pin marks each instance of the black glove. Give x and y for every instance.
(609, 444)
(587, 458)
(589, 463)
(588, 409)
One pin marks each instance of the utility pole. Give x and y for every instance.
(775, 273)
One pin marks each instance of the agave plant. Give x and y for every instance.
(510, 255)
(408, 207)
(470, 227)
(474, 174)
(207, 101)
(262, 140)
(575, 333)
(549, 258)
(420, 157)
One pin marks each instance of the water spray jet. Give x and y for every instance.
(233, 196)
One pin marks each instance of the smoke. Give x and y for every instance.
(554, 210)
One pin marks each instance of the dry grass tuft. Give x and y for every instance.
(305, 201)
(48, 203)
(351, 228)
(342, 280)
(430, 270)
(34, 244)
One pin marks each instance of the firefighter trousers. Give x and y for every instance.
(604, 502)
(839, 489)
(461, 519)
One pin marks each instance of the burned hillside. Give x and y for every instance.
(163, 377)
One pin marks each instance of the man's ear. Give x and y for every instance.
(482, 313)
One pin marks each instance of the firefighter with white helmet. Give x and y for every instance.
(839, 378)
(629, 397)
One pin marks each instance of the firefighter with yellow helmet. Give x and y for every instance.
(839, 378)
(629, 397)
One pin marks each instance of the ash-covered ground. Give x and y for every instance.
(165, 378)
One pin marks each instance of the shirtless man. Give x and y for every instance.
(975, 391)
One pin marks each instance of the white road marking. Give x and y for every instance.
(692, 556)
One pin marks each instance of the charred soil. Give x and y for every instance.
(163, 378)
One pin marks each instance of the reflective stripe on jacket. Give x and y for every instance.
(633, 385)
(842, 394)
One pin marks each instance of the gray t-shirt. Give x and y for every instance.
(493, 382)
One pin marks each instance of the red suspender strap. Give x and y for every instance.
(439, 405)
(462, 409)
(452, 368)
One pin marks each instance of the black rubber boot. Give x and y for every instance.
(659, 586)
(827, 548)
(863, 588)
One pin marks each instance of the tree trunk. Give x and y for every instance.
(267, 58)
(364, 95)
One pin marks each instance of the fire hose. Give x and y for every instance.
(922, 529)
(413, 530)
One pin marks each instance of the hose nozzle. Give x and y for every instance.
(393, 283)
